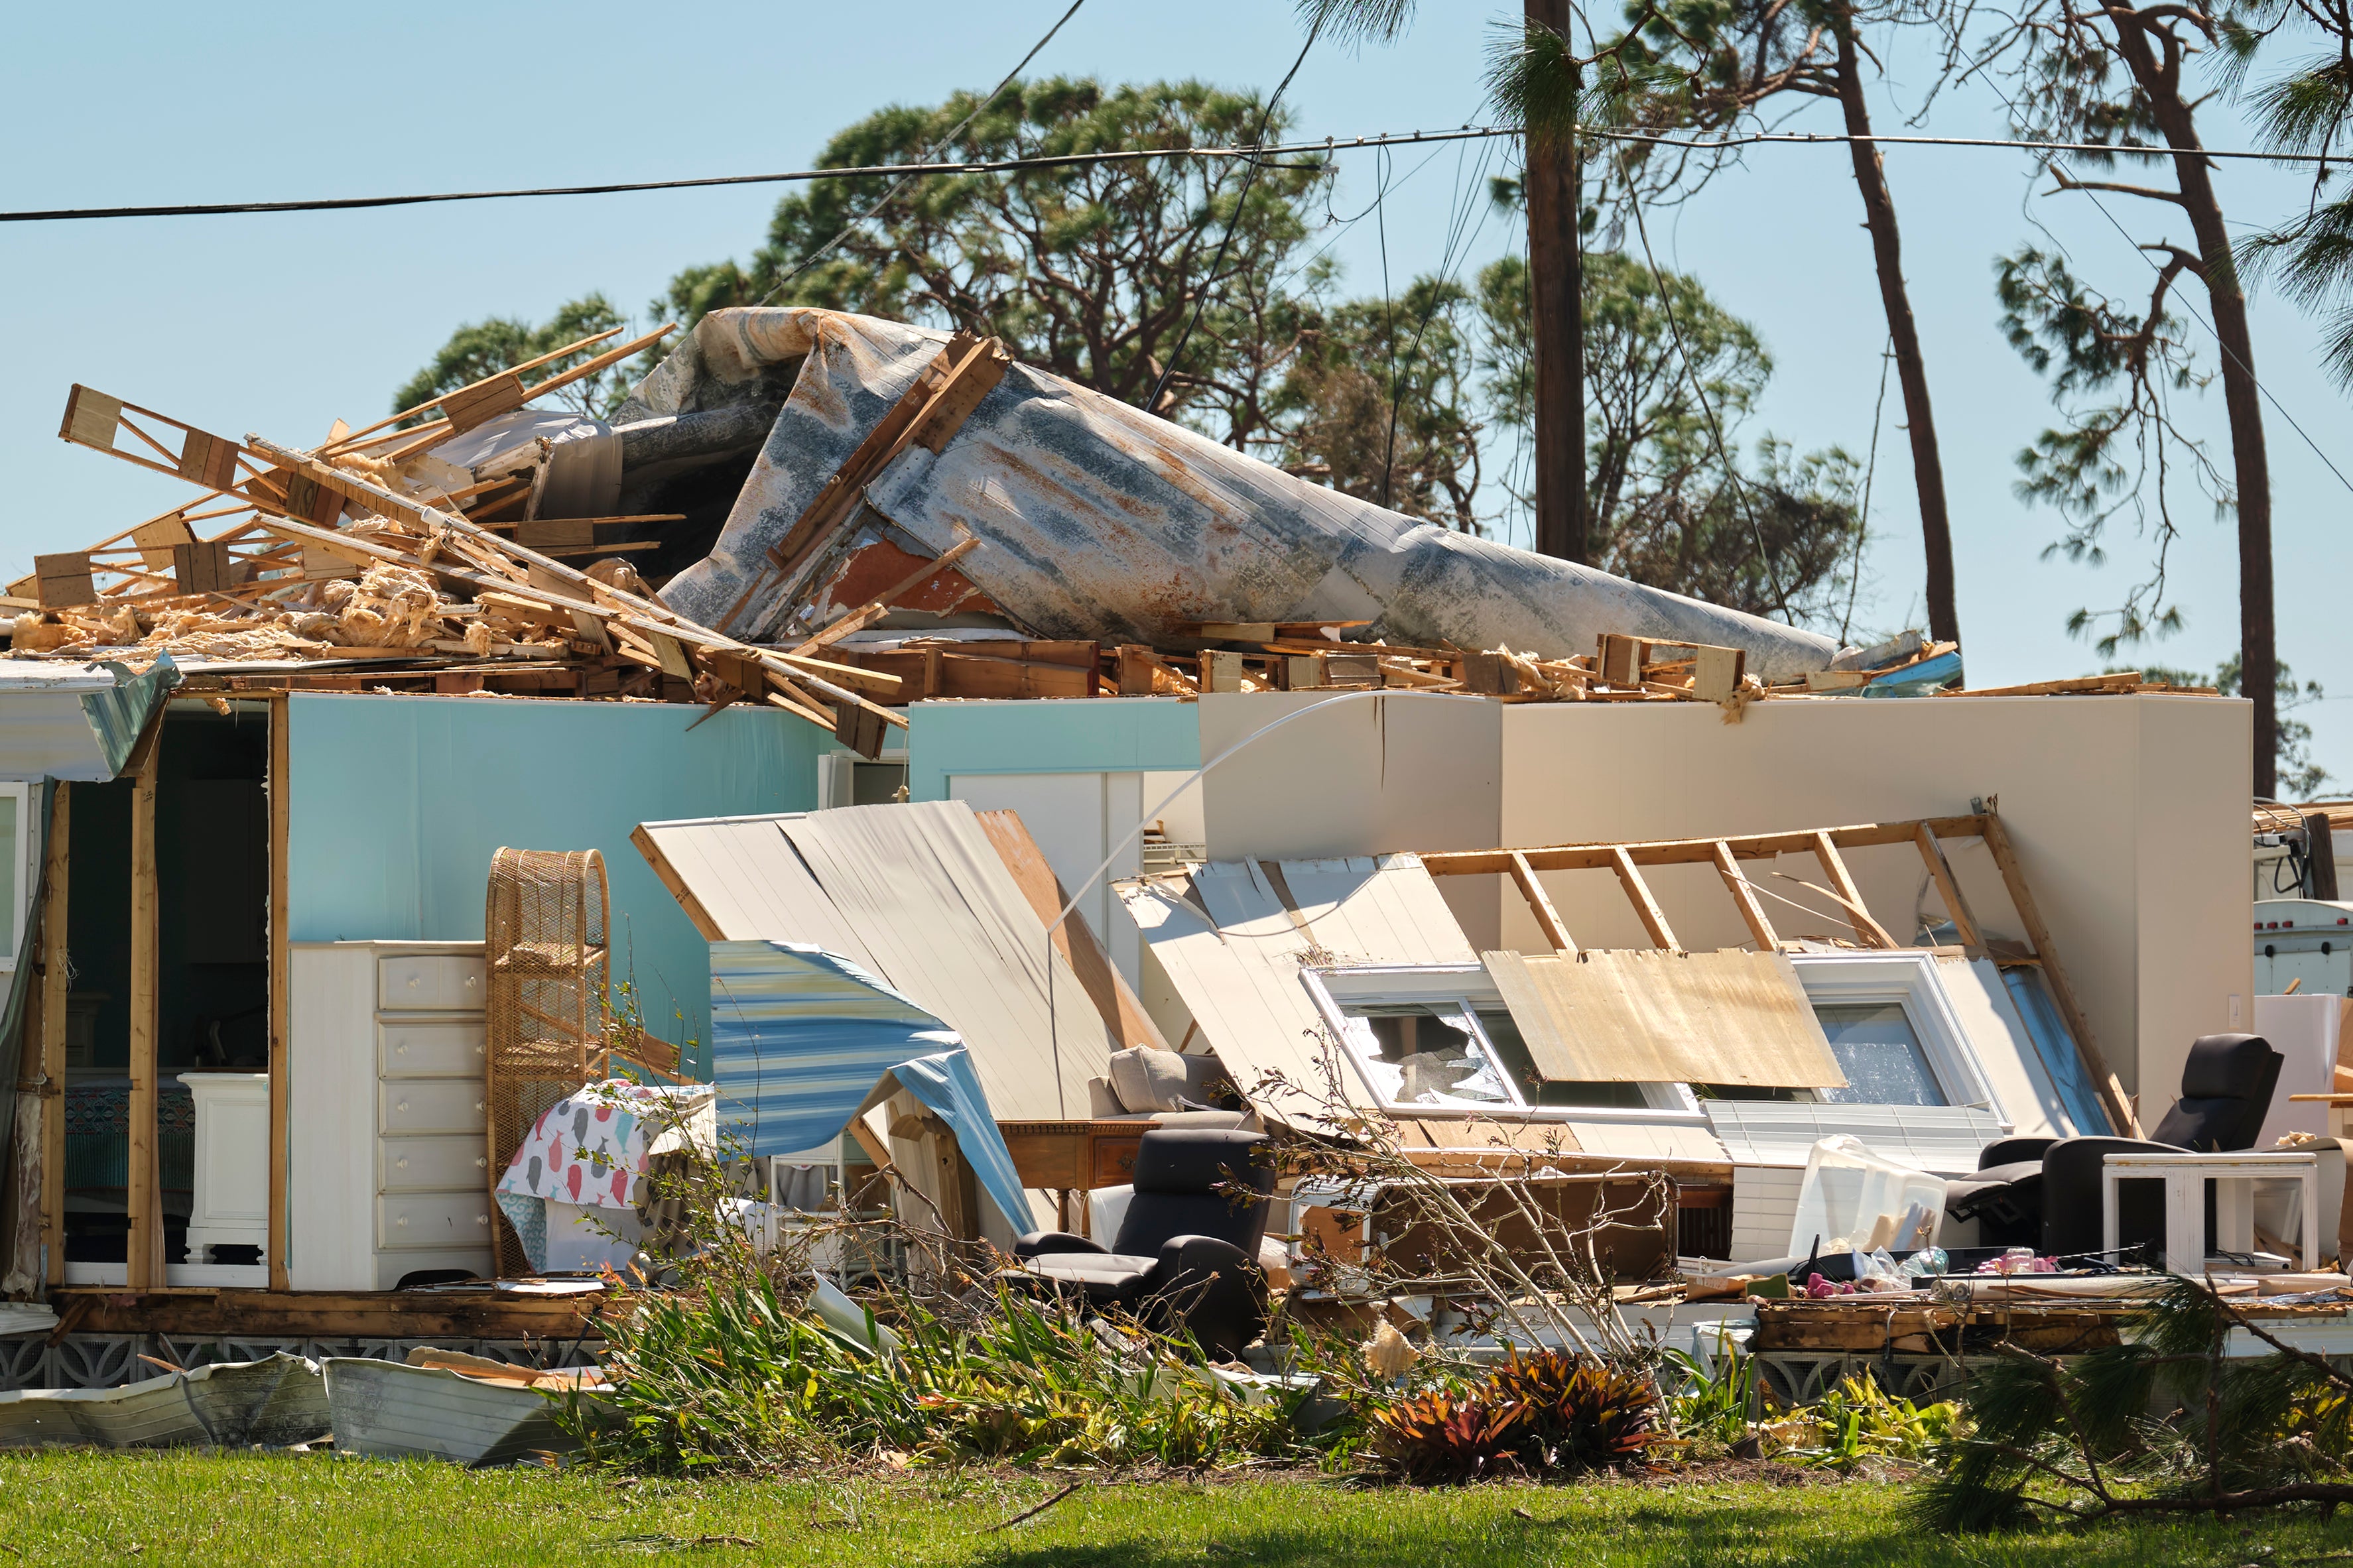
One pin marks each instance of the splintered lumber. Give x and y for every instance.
(567, 590)
(349, 440)
(96, 420)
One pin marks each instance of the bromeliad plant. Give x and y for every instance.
(1549, 1414)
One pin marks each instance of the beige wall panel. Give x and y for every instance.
(1369, 777)
(2197, 910)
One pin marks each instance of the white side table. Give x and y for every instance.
(2234, 1178)
(230, 1206)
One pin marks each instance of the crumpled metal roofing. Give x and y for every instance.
(1106, 523)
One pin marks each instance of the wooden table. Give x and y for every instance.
(2234, 1178)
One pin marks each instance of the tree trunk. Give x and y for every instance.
(1556, 325)
(1911, 371)
(2258, 648)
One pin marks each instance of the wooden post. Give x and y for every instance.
(1548, 920)
(1751, 911)
(2104, 1082)
(1654, 920)
(144, 1243)
(1858, 914)
(281, 980)
(55, 973)
(1948, 889)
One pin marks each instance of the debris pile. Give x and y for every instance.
(429, 553)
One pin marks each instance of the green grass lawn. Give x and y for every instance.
(61, 1508)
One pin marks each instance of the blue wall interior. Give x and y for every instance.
(1090, 735)
(398, 803)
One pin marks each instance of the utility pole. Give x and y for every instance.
(1556, 269)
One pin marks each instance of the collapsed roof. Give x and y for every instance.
(1101, 521)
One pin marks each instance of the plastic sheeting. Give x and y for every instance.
(1107, 523)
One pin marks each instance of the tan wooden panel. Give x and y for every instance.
(1618, 1017)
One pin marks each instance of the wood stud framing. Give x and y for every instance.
(55, 973)
(1824, 844)
(143, 1244)
(282, 1056)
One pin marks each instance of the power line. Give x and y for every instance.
(814, 256)
(1328, 147)
(1249, 178)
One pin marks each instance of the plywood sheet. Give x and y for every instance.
(1625, 1016)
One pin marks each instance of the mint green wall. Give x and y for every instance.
(1072, 735)
(398, 802)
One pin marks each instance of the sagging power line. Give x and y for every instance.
(1326, 147)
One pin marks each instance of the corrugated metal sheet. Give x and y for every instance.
(915, 895)
(76, 722)
(1104, 522)
(805, 1040)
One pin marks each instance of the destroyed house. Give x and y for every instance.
(263, 747)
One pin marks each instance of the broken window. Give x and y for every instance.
(1880, 1053)
(1426, 1054)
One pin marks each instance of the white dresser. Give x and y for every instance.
(388, 1162)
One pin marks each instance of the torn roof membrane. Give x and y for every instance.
(1107, 523)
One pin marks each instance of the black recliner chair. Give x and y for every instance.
(1186, 1251)
(2044, 1193)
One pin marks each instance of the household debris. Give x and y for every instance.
(461, 1408)
(946, 523)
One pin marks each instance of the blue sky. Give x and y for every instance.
(281, 324)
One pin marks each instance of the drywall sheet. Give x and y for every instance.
(397, 803)
(1624, 1016)
(918, 891)
(1103, 522)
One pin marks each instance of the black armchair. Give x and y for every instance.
(1186, 1250)
(2044, 1193)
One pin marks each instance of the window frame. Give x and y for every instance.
(1907, 978)
(28, 852)
(1469, 986)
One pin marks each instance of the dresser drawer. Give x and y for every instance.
(429, 983)
(429, 1050)
(431, 1105)
(446, 1163)
(433, 1219)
